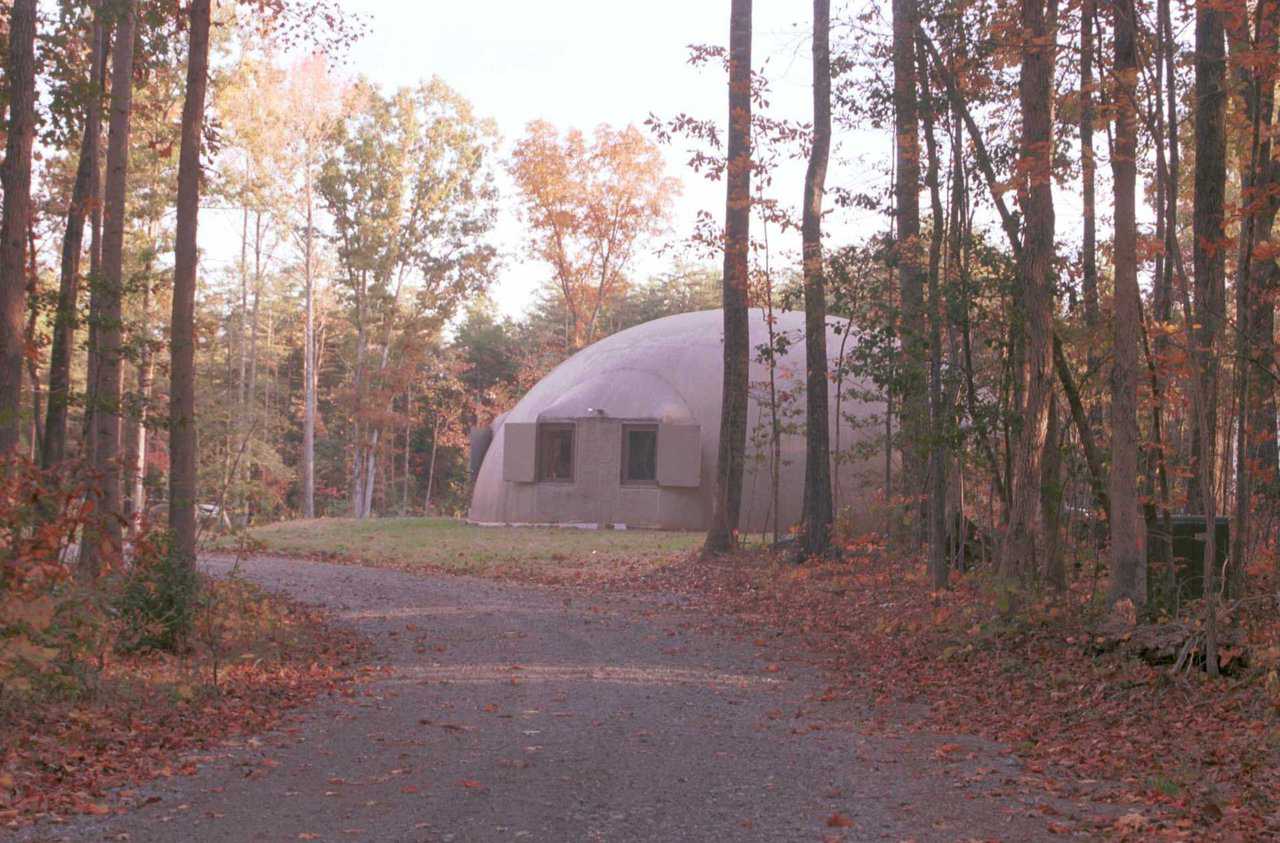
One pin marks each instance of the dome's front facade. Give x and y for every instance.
(626, 432)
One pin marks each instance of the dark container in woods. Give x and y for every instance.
(1170, 586)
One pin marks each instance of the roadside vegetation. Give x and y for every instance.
(105, 685)
(1127, 720)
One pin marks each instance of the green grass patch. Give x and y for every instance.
(544, 554)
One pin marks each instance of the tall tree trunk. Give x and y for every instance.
(29, 338)
(1209, 262)
(1128, 566)
(1055, 572)
(64, 327)
(135, 435)
(106, 535)
(431, 466)
(722, 536)
(817, 468)
(1255, 308)
(250, 416)
(909, 255)
(89, 428)
(408, 448)
(1019, 557)
(182, 392)
(16, 175)
(357, 429)
(309, 360)
(1088, 170)
(936, 500)
(242, 346)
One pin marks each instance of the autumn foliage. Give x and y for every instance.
(102, 685)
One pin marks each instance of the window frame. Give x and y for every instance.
(623, 470)
(545, 429)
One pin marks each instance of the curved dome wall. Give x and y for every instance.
(660, 383)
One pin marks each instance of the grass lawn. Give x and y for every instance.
(541, 554)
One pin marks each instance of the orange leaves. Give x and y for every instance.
(61, 755)
(1033, 684)
(839, 820)
(587, 203)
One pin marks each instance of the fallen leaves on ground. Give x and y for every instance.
(1182, 756)
(70, 756)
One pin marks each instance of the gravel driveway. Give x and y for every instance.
(514, 713)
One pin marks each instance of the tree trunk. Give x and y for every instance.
(64, 328)
(909, 256)
(431, 466)
(309, 361)
(936, 500)
(818, 514)
(88, 430)
(1128, 566)
(1209, 262)
(106, 536)
(408, 447)
(1055, 572)
(15, 173)
(1255, 308)
(722, 536)
(29, 338)
(1019, 556)
(135, 438)
(1088, 170)
(182, 393)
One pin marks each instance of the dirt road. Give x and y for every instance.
(513, 713)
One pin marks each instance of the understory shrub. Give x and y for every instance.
(159, 597)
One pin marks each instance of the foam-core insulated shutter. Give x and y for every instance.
(519, 452)
(680, 455)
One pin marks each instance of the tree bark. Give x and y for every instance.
(1128, 566)
(16, 175)
(1255, 308)
(1019, 556)
(135, 436)
(182, 410)
(818, 514)
(309, 357)
(1209, 254)
(909, 254)
(1088, 171)
(1055, 572)
(54, 449)
(722, 536)
(936, 499)
(104, 541)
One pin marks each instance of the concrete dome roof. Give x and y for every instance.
(670, 370)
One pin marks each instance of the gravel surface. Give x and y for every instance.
(512, 713)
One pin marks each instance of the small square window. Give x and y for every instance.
(555, 453)
(640, 454)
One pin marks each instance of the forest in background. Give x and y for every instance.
(1061, 270)
(1062, 384)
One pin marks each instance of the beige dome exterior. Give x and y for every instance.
(661, 381)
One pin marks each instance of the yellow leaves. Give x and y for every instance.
(1131, 822)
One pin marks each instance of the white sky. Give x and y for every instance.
(580, 63)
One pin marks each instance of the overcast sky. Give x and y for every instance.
(580, 63)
